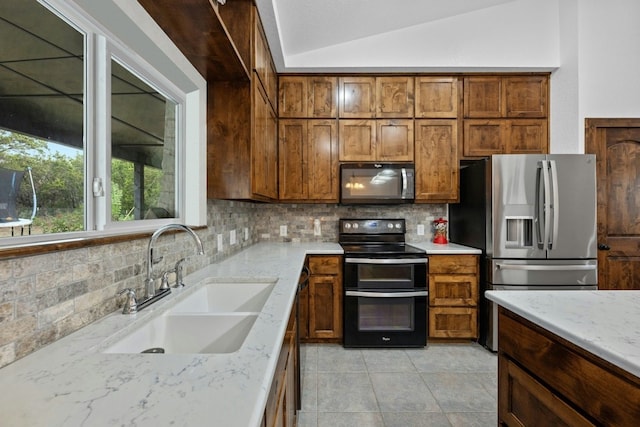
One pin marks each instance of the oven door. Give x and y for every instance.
(402, 274)
(385, 318)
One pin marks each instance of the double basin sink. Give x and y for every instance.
(215, 318)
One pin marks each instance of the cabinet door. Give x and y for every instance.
(394, 140)
(484, 137)
(527, 136)
(292, 96)
(394, 96)
(436, 97)
(526, 96)
(357, 140)
(292, 147)
(259, 153)
(453, 322)
(325, 306)
(322, 160)
(357, 97)
(436, 158)
(453, 290)
(322, 99)
(483, 97)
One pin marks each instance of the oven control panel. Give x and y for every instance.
(372, 226)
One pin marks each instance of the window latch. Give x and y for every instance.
(98, 188)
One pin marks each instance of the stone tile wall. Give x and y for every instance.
(46, 297)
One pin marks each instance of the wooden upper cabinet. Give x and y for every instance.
(483, 97)
(264, 155)
(263, 65)
(292, 96)
(395, 97)
(394, 140)
(436, 160)
(506, 136)
(357, 97)
(527, 137)
(308, 160)
(357, 140)
(436, 97)
(322, 98)
(526, 96)
(484, 137)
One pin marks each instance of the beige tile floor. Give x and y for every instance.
(440, 385)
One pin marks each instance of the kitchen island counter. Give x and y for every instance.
(72, 382)
(604, 323)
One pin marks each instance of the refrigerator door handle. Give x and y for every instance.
(539, 208)
(556, 204)
(547, 204)
(538, 267)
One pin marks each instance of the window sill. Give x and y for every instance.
(41, 248)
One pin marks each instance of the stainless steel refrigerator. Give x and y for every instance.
(534, 218)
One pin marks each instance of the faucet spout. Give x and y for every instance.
(149, 282)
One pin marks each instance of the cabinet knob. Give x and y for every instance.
(603, 247)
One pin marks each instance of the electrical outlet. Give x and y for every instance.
(246, 233)
(283, 231)
(219, 242)
(232, 237)
(420, 229)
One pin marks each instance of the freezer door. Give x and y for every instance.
(572, 229)
(515, 217)
(549, 273)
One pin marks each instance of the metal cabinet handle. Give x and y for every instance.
(603, 247)
(386, 294)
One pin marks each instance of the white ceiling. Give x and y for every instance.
(296, 27)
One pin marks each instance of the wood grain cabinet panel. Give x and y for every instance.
(453, 296)
(357, 97)
(483, 97)
(436, 161)
(484, 137)
(321, 306)
(395, 97)
(436, 97)
(308, 160)
(322, 97)
(526, 96)
(292, 96)
(544, 380)
(394, 140)
(526, 137)
(357, 140)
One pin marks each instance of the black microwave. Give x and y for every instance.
(377, 183)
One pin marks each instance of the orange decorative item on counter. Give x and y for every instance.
(440, 234)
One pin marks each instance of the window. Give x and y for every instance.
(101, 130)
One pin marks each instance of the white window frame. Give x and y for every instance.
(101, 44)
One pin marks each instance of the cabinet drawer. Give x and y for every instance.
(453, 290)
(453, 264)
(453, 322)
(324, 265)
(529, 403)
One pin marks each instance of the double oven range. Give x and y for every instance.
(385, 285)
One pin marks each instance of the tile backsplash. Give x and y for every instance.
(46, 297)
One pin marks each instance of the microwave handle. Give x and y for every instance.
(404, 183)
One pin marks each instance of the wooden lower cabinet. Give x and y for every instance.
(280, 410)
(544, 380)
(453, 296)
(321, 300)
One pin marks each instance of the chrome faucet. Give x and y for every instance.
(150, 289)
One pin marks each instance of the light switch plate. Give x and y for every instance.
(283, 231)
(232, 237)
(246, 233)
(420, 229)
(219, 242)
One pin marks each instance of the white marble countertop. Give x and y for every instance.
(605, 323)
(72, 383)
(445, 249)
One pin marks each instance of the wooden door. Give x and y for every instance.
(322, 96)
(436, 154)
(527, 136)
(357, 140)
(483, 137)
(483, 97)
(322, 160)
(394, 96)
(526, 96)
(357, 97)
(292, 96)
(325, 307)
(394, 140)
(616, 144)
(292, 164)
(436, 97)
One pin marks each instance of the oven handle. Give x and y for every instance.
(387, 294)
(386, 261)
